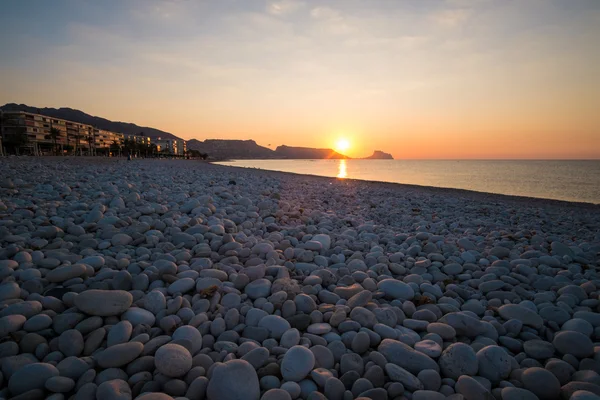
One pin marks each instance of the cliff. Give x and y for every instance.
(299, 153)
(379, 155)
(83, 118)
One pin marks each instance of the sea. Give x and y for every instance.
(569, 180)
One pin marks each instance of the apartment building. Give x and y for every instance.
(38, 130)
(80, 138)
(104, 139)
(139, 138)
(171, 146)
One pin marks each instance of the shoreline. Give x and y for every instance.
(441, 190)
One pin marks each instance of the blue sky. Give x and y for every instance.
(427, 78)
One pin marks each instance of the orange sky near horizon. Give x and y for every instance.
(442, 79)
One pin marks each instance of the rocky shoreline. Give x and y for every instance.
(159, 279)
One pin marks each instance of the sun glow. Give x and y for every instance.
(342, 145)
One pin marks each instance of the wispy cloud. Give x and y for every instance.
(452, 18)
(284, 7)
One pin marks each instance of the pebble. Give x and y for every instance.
(173, 360)
(155, 280)
(541, 382)
(574, 343)
(221, 387)
(458, 359)
(103, 303)
(297, 362)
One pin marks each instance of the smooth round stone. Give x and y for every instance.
(221, 384)
(9, 290)
(276, 325)
(103, 303)
(290, 338)
(119, 354)
(575, 324)
(70, 343)
(116, 389)
(427, 395)
(541, 382)
(319, 329)
(121, 239)
(190, 333)
(154, 396)
(396, 289)
(297, 363)
(494, 363)
(399, 374)
(405, 356)
(584, 395)
(323, 356)
(173, 360)
(471, 389)
(276, 394)
(429, 347)
(120, 333)
(554, 313)
(513, 393)
(431, 379)
(257, 357)
(60, 384)
(62, 274)
(523, 314)
(305, 303)
(458, 359)
(258, 288)
(181, 286)
(292, 388)
(361, 342)
(36, 323)
(31, 376)
(10, 324)
(138, 316)
(538, 349)
(446, 332)
(574, 343)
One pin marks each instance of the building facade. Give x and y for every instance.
(171, 146)
(73, 136)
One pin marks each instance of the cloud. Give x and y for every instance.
(284, 7)
(332, 21)
(452, 18)
(326, 13)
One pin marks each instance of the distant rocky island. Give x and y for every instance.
(379, 155)
(217, 149)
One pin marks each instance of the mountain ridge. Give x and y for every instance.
(71, 114)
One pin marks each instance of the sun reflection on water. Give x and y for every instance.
(342, 169)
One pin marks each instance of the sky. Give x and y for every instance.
(441, 79)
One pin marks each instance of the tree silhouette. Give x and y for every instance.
(54, 135)
(90, 140)
(16, 140)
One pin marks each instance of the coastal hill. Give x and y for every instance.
(234, 149)
(299, 153)
(83, 118)
(379, 155)
(249, 149)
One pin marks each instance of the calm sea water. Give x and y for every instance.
(560, 180)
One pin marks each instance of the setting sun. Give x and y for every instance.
(342, 145)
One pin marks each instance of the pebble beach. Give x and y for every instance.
(164, 279)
